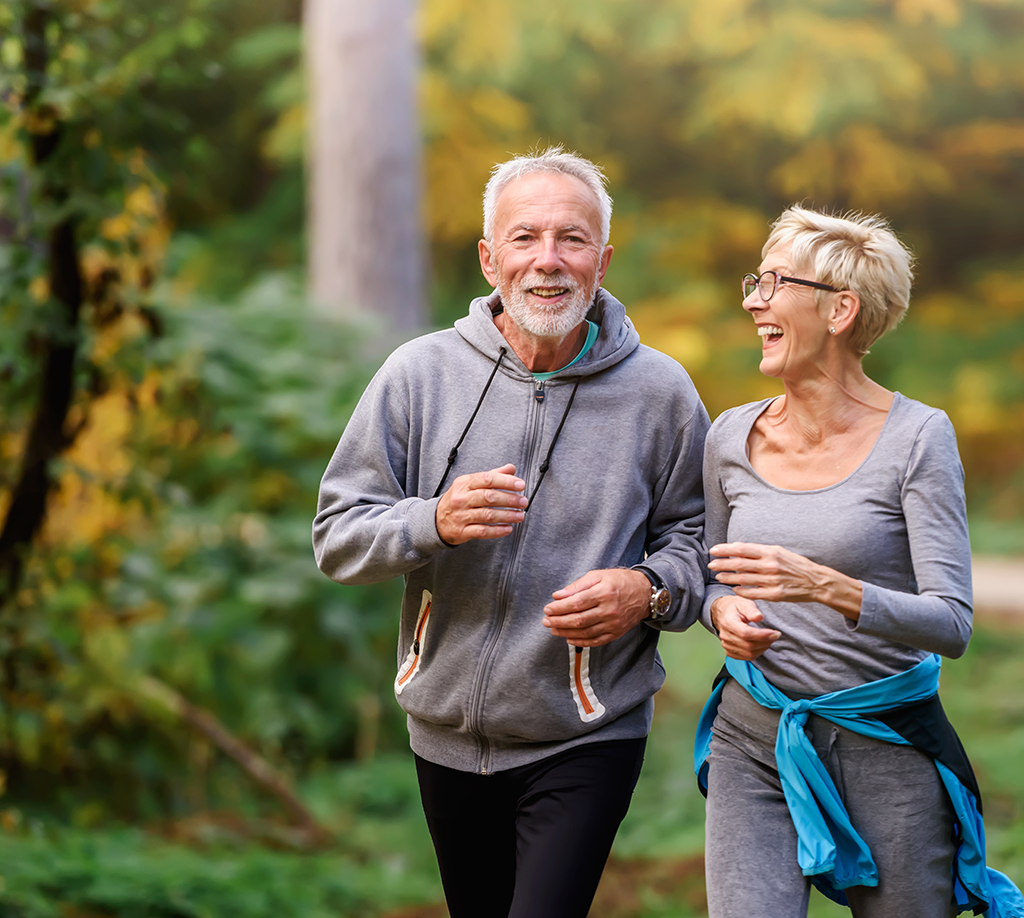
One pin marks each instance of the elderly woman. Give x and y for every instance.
(839, 541)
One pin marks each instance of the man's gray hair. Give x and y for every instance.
(553, 159)
(854, 252)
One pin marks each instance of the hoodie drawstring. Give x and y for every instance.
(453, 455)
(544, 466)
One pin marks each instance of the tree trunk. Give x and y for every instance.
(47, 434)
(364, 228)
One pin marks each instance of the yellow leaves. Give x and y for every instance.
(473, 130)
(10, 145)
(10, 53)
(984, 140)
(942, 309)
(945, 13)
(41, 120)
(136, 239)
(39, 289)
(82, 510)
(285, 142)
(806, 71)
(861, 166)
(142, 202)
(661, 325)
(142, 206)
(1002, 292)
(500, 109)
(476, 33)
(975, 407)
(117, 228)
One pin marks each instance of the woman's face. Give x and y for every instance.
(794, 334)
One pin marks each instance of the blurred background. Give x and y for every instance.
(216, 217)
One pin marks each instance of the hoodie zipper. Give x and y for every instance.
(487, 658)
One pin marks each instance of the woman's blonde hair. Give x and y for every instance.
(855, 252)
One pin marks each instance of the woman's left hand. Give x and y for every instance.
(770, 573)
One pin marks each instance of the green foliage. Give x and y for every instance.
(386, 860)
(212, 589)
(176, 544)
(51, 872)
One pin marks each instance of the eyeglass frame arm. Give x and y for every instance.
(779, 278)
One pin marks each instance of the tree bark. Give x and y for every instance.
(364, 226)
(47, 436)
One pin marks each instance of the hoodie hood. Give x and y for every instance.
(616, 341)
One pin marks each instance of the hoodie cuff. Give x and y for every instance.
(421, 523)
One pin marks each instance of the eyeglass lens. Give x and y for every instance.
(766, 282)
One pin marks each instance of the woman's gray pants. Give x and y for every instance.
(892, 793)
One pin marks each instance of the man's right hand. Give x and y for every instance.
(481, 505)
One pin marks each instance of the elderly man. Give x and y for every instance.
(535, 475)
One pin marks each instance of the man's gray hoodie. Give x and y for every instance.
(485, 684)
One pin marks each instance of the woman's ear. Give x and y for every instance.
(844, 309)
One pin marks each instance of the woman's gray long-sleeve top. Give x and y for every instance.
(898, 524)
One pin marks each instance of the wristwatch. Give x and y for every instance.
(661, 599)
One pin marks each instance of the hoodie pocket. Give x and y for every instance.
(411, 666)
(587, 704)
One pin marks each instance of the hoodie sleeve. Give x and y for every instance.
(675, 549)
(367, 527)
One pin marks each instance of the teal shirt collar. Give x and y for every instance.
(592, 332)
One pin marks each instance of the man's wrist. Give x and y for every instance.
(661, 598)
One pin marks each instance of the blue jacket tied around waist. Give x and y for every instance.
(829, 850)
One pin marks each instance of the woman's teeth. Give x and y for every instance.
(764, 330)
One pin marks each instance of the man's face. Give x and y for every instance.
(546, 257)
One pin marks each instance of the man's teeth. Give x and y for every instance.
(764, 330)
(548, 292)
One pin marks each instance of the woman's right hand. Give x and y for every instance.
(737, 622)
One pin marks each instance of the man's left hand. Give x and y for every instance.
(599, 607)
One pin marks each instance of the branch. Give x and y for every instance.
(254, 765)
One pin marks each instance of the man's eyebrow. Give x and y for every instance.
(568, 228)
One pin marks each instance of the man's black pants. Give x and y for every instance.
(529, 842)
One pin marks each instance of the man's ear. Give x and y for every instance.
(606, 257)
(487, 262)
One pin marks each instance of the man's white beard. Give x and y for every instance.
(537, 318)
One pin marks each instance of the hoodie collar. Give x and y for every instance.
(616, 341)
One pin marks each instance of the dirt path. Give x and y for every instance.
(998, 587)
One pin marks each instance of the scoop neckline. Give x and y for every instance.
(897, 399)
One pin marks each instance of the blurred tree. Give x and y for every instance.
(161, 451)
(57, 342)
(365, 239)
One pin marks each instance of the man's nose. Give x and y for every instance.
(548, 256)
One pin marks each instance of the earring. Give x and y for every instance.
(831, 329)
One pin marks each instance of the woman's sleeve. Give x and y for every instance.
(939, 617)
(716, 519)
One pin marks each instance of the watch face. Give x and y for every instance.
(660, 601)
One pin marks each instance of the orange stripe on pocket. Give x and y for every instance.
(411, 665)
(587, 704)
